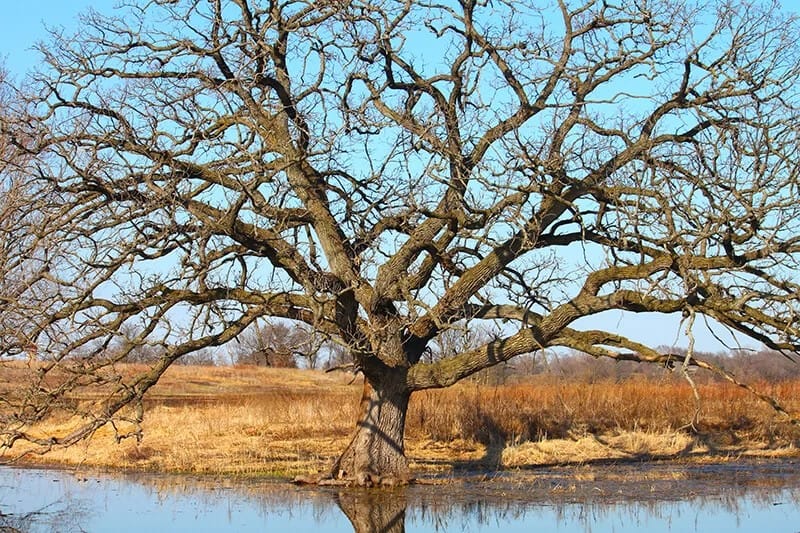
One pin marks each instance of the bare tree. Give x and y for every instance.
(337, 357)
(204, 357)
(385, 171)
(131, 347)
(457, 340)
(276, 344)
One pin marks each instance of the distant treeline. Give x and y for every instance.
(277, 344)
(749, 365)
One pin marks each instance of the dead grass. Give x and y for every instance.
(549, 408)
(282, 422)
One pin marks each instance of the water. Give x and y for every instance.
(750, 497)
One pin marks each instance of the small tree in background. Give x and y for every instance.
(276, 344)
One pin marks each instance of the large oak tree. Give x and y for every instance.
(386, 171)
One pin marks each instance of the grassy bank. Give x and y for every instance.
(281, 422)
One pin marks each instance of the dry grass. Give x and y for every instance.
(281, 422)
(550, 408)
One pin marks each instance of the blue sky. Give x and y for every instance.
(23, 24)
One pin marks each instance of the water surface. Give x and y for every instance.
(756, 496)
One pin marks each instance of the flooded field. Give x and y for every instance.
(748, 496)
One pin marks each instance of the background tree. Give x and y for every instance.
(131, 346)
(385, 171)
(276, 344)
(455, 340)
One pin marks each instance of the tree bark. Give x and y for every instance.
(376, 453)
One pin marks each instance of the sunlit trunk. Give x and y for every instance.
(376, 453)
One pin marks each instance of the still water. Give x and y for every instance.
(654, 498)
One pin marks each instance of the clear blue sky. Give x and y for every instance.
(22, 25)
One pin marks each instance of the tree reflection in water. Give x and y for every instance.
(374, 511)
(629, 496)
(577, 499)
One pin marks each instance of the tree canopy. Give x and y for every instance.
(388, 171)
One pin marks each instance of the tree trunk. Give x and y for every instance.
(376, 453)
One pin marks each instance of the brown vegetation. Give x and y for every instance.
(283, 422)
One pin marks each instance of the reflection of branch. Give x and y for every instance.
(52, 513)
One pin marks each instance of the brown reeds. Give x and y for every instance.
(256, 421)
(548, 407)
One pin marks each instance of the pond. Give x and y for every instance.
(655, 497)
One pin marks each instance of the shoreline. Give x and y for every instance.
(428, 468)
(626, 482)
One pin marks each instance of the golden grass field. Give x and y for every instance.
(286, 422)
